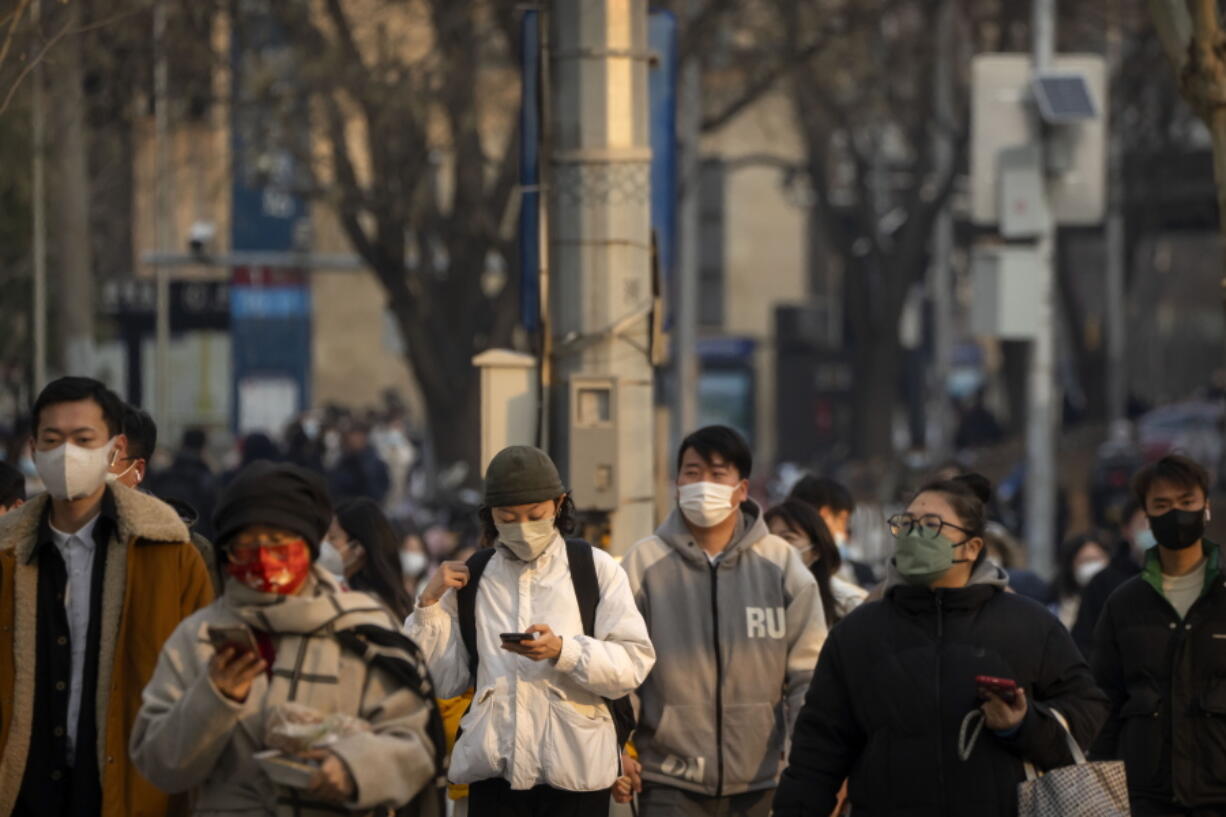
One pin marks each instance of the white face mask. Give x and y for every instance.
(705, 504)
(413, 563)
(527, 540)
(330, 559)
(72, 472)
(1086, 571)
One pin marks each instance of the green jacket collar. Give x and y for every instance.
(1152, 572)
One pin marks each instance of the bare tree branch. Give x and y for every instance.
(1174, 26)
(66, 31)
(12, 29)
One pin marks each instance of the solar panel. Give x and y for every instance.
(1064, 98)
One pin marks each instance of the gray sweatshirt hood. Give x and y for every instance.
(750, 528)
(984, 573)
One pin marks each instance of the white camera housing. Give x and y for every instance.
(200, 236)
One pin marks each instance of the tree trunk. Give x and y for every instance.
(1217, 127)
(877, 358)
(110, 82)
(68, 200)
(1089, 365)
(455, 428)
(438, 346)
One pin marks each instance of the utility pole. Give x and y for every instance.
(1117, 386)
(163, 208)
(1043, 395)
(940, 278)
(39, 128)
(600, 258)
(685, 334)
(68, 186)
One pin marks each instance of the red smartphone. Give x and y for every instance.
(1003, 688)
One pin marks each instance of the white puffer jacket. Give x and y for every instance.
(538, 723)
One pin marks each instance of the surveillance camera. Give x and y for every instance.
(200, 236)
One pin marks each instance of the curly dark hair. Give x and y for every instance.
(565, 521)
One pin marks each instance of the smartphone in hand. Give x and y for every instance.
(240, 638)
(517, 638)
(1003, 688)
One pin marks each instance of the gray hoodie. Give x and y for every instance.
(736, 643)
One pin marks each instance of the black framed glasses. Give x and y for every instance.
(928, 525)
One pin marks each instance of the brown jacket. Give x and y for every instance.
(154, 579)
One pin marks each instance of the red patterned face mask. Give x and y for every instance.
(281, 568)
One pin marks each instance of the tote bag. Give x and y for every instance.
(1085, 789)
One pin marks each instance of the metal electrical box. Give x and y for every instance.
(1023, 207)
(1006, 290)
(1003, 116)
(593, 443)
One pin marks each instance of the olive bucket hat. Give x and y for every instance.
(521, 475)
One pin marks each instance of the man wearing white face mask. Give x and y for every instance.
(93, 578)
(738, 622)
(545, 649)
(132, 469)
(836, 505)
(141, 434)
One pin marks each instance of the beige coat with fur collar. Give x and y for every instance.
(154, 579)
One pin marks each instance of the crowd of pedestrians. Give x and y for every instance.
(269, 642)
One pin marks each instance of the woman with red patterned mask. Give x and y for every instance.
(285, 643)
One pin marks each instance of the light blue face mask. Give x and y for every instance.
(840, 542)
(1146, 540)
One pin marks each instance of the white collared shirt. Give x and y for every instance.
(77, 550)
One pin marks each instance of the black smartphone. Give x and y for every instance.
(516, 638)
(240, 638)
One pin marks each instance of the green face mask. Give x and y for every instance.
(921, 560)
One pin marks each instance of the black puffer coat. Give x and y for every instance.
(896, 679)
(1166, 678)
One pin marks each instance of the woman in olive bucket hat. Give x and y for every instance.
(539, 738)
(285, 642)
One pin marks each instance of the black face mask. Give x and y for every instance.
(1176, 529)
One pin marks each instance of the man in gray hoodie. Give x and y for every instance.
(737, 623)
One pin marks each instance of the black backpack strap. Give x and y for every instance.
(587, 593)
(587, 585)
(466, 601)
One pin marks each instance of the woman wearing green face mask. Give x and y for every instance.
(897, 681)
